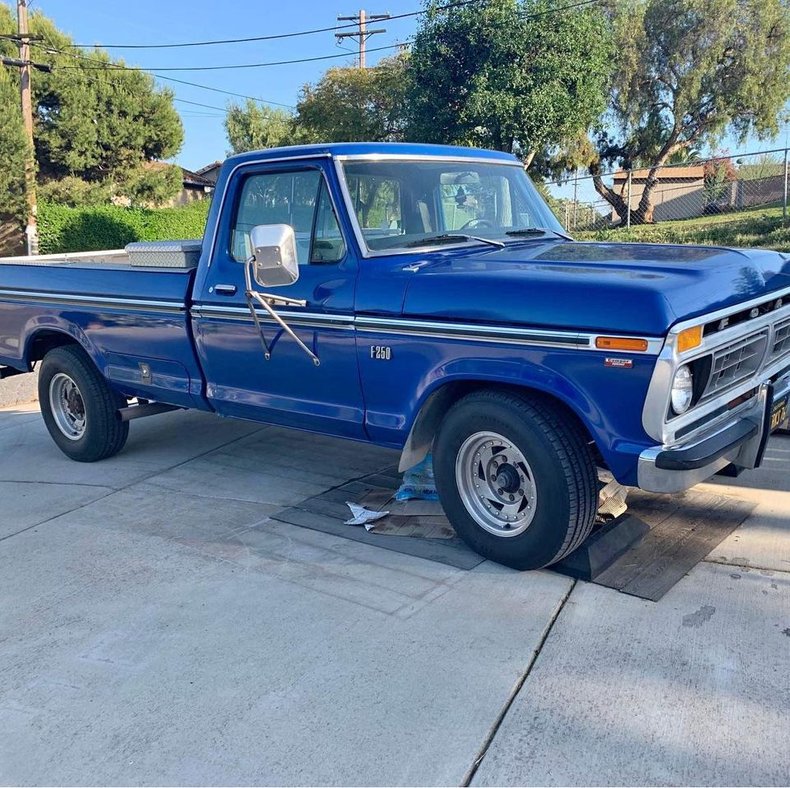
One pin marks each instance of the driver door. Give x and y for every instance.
(289, 388)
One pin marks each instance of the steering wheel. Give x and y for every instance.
(473, 224)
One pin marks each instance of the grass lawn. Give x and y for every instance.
(760, 227)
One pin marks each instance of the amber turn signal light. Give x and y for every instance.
(621, 343)
(689, 338)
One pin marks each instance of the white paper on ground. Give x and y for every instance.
(612, 499)
(363, 516)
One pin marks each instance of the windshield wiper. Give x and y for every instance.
(537, 231)
(447, 238)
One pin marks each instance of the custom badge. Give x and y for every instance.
(621, 363)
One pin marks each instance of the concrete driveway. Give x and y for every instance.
(156, 627)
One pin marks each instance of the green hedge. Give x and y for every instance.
(63, 229)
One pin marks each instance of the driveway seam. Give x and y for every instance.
(127, 486)
(470, 774)
(747, 567)
(60, 484)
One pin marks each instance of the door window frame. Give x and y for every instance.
(219, 226)
(281, 167)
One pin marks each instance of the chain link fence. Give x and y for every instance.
(690, 190)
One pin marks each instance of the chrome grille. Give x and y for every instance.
(736, 362)
(781, 346)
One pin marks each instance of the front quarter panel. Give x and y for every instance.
(400, 371)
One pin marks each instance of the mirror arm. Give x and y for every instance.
(263, 299)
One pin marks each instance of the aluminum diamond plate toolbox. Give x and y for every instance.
(164, 254)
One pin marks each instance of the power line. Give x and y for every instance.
(156, 69)
(274, 37)
(228, 67)
(552, 11)
(198, 104)
(49, 48)
(226, 92)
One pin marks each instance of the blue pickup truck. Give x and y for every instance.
(425, 298)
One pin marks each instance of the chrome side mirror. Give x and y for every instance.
(274, 262)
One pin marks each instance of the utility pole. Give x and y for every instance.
(31, 230)
(362, 34)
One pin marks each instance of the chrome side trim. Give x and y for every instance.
(306, 319)
(107, 302)
(427, 328)
(470, 331)
(107, 255)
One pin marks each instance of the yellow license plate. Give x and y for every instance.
(779, 414)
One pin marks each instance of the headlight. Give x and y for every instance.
(682, 390)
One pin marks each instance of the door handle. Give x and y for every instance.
(226, 290)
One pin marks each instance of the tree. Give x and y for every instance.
(93, 121)
(355, 104)
(254, 127)
(13, 148)
(515, 75)
(756, 168)
(718, 173)
(687, 71)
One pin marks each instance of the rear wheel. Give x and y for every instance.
(516, 478)
(79, 408)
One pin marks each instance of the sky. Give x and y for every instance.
(155, 22)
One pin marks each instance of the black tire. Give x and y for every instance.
(562, 472)
(103, 434)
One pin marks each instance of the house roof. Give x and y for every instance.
(195, 179)
(695, 172)
(188, 177)
(209, 167)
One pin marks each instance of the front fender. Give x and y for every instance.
(607, 400)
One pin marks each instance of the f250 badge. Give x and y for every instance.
(381, 352)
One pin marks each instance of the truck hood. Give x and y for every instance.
(613, 287)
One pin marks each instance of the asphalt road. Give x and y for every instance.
(158, 628)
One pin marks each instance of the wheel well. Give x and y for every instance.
(426, 425)
(44, 341)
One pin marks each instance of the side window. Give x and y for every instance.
(328, 243)
(277, 198)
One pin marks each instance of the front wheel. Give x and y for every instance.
(80, 410)
(516, 478)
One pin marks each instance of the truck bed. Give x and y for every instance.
(133, 319)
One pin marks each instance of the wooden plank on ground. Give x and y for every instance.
(452, 552)
(674, 547)
(684, 529)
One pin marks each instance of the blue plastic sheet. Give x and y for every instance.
(418, 483)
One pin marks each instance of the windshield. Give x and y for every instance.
(401, 205)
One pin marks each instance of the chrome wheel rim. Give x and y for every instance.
(496, 484)
(67, 406)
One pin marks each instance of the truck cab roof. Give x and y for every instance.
(405, 149)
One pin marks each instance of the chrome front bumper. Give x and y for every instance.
(740, 441)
